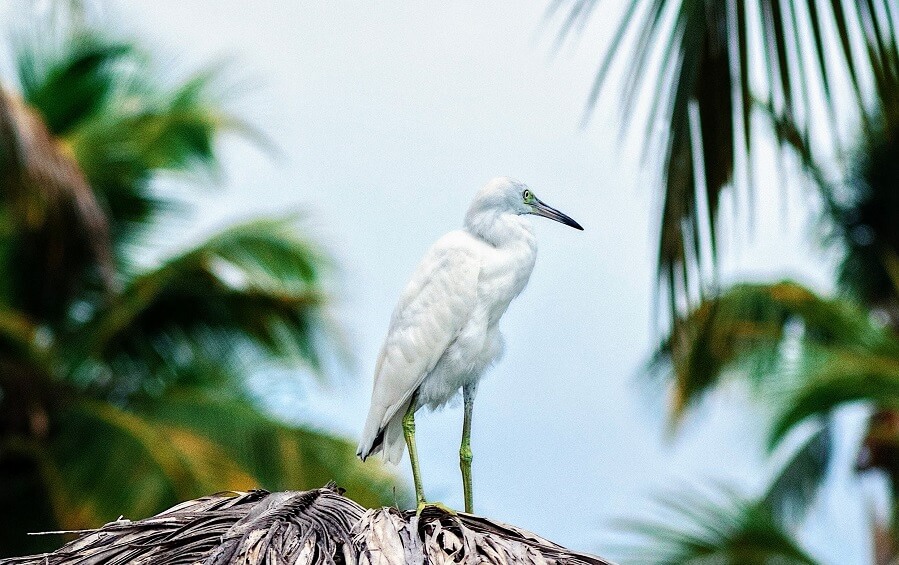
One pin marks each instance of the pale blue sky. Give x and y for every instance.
(389, 116)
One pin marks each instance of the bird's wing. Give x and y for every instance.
(431, 312)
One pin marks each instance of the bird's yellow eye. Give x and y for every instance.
(527, 195)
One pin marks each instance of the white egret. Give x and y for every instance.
(444, 332)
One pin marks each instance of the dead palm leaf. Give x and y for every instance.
(311, 527)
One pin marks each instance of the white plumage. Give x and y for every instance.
(444, 332)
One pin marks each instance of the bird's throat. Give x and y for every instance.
(501, 229)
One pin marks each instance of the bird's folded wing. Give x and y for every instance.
(435, 305)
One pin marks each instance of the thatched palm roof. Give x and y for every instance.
(317, 526)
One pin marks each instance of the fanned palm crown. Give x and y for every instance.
(122, 391)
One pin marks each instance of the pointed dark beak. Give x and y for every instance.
(542, 209)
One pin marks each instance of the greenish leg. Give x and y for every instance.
(465, 450)
(409, 433)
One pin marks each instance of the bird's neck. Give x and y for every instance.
(500, 229)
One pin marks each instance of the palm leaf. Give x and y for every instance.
(256, 285)
(744, 328)
(835, 377)
(710, 528)
(100, 462)
(860, 221)
(280, 456)
(112, 462)
(102, 98)
(142, 132)
(85, 68)
(795, 485)
(696, 57)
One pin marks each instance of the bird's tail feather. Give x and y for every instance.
(394, 443)
(388, 439)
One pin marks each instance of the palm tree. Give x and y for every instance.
(123, 389)
(824, 352)
(696, 63)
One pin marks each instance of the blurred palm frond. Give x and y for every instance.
(696, 527)
(837, 377)
(256, 284)
(744, 329)
(795, 485)
(699, 60)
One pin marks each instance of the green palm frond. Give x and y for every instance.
(744, 328)
(795, 485)
(698, 59)
(105, 101)
(710, 528)
(100, 461)
(835, 377)
(145, 130)
(281, 457)
(256, 285)
(206, 434)
(86, 68)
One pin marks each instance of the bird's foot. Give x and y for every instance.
(422, 505)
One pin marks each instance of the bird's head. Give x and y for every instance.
(504, 195)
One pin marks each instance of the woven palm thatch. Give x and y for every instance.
(298, 528)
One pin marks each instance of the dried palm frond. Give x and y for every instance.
(316, 526)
